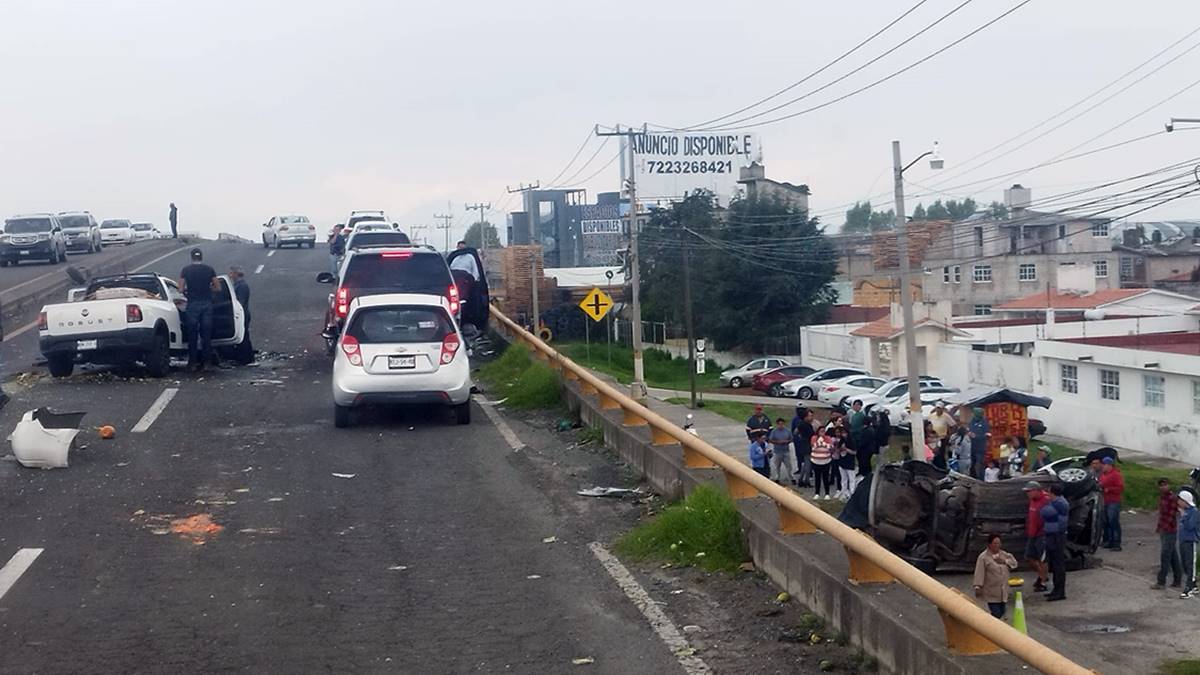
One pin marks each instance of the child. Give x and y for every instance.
(846, 464)
(821, 458)
(759, 455)
(992, 473)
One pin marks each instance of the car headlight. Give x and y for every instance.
(4, 238)
(44, 236)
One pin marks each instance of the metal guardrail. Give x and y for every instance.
(969, 629)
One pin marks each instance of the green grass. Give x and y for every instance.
(738, 411)
(661, 369)
(1141, 481)
(706, 523)
(1180, 667)
(521, 381)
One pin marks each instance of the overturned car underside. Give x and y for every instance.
(939, 519)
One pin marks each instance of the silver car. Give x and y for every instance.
(743, 374)
(400, 349)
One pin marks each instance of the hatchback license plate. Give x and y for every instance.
(83, 345)
(401, 362)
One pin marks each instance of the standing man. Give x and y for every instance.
(244, 352)
(862, 437)
(337, 248)
(1113, 485)
(802, 438)
(3, 396)
(198, 281)
(978, 431)
(780, 439)
(943, 423)
(174, 218)
(1035, 533)
(1167, 527)
(758, 423)
(1189, 534)
(1054, 521)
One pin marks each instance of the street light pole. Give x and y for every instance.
(915, 415)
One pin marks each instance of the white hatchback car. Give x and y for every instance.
(840, 393)
(400, 349)
(282, 231)
(806, 388)
(143, 231)
(116, 231)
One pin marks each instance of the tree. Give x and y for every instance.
(760, 272)
(998, 210)
(860, 218)
(937, 211)
(961, 210)
(473, 239)
(919, 212)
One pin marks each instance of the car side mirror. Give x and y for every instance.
(326, 278)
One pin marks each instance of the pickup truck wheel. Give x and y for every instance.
(265, 244)
(462, 413)
(341, 416)
(61, 365)
(158, 359)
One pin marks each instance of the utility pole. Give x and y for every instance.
(445, 226)
(915, 416)
(638, 386)
(481, 208)
(687, 310)
(534, 274)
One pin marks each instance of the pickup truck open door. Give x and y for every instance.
(229, 317)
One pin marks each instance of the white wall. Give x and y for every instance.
(832, 346)
(963, 367)
(724, 359)
(1076, 329)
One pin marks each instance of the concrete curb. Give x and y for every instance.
(889, 622)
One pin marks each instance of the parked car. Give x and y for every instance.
(364, 237)
(807, 387)
(894, 387)
(739, 376)
(842, 392)
(116, 231)
(36, 236)
(897, 406)
(81, 231)
(357, 217)
(771, 381)
(401, 349)
(282, 231)
(143, 231)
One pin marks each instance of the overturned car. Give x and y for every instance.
(940, 520)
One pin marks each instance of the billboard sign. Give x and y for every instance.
(670, 165)
(602, 232)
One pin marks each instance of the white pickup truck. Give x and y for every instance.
(119, 320)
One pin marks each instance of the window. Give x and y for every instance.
(1068, 379)
(1027, 272)
(952, 274)
(1100, 230)
(1110, 385)
(1154, 393)
(979, 237)
(1196, 397)
(981, 274)
(1101, 268)
(983, 310)
(1062, 231)
(1126, 268)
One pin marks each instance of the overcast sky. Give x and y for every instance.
(240, 110)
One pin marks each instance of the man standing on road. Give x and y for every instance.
(1168, 525)
(781, 457)
(244, 352)
(1113, 485)
(943, 422)
(1189, 534)
(1035, 534)
(3, 396)
(978, 431)
(802, 438)
(337, 248)
(862, 438)
(198, 281)
(174, 218)
(758, 423)
(1054, 521)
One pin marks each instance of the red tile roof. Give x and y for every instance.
(1059, 300)
(883, 328)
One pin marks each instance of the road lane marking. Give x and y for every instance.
(26, 283)
(662, 625)
(15, 567)
(506, 431)
(33, 324)
(155, 410)
(271, 252)
(259, 269)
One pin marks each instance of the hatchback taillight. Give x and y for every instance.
(450, 345)
(342, 302)
(133, 314)
(452, 294)
(42, 323)
(350, 348)
(284, 228)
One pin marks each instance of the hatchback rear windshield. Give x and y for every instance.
(294, 220)
(22, 225)
(362, 219)
(114, 224)
(379, 239)
(401, 324)
(416, 272)
(73, 222)
(143, 227)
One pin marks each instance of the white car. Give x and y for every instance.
(357, 217)
(129, 318)
(143, 231)
(840, 393)
(897, 386)
(807, 387)
(282, 231)
(743, 374)
(399, 349)
(897, 408)
(116, 231)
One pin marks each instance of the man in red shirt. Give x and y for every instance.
(1113, 485)
(1168, 525)
(1035, 533)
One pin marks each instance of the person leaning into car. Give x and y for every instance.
(1054, 523)
(991, 576)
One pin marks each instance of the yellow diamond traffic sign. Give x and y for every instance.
(596, 304)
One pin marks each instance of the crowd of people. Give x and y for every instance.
(830, 458)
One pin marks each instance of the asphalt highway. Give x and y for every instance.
(243, 532)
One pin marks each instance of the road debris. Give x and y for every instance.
(397, 568)
(42, 439)
(549, 540)
(275, 499)
(198, 528)
(344, 475)
(534, 576)
(608, 492)
(783, 597)
(583, 661)
(107, 432)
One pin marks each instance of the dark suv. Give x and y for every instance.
(80, 230)
(377, 270)
(37, 236)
